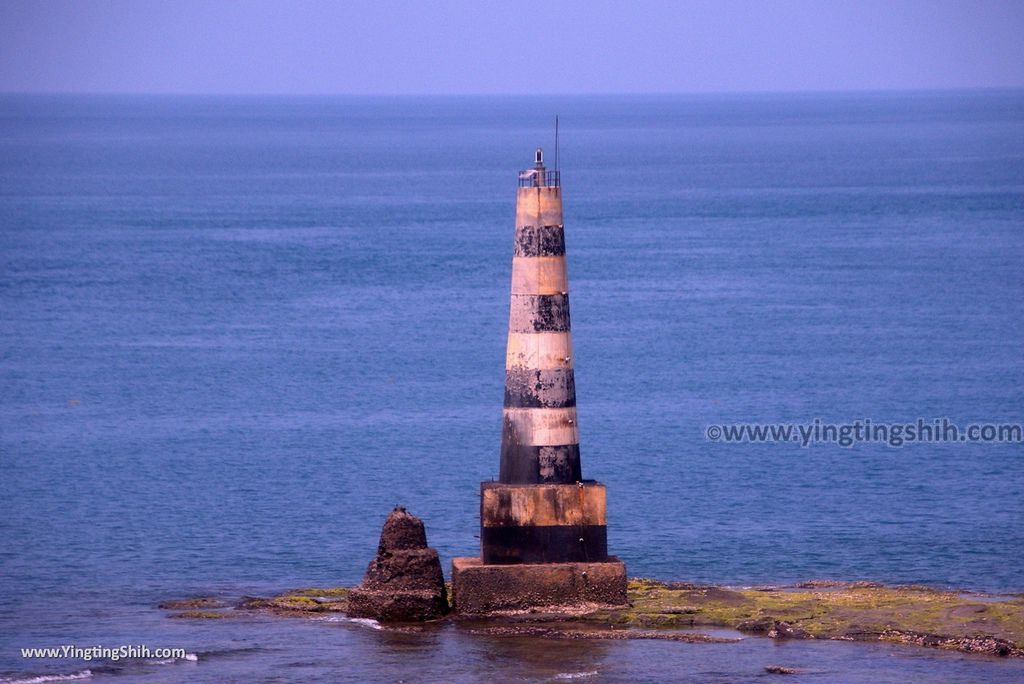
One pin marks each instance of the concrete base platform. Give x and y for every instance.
(479, 589)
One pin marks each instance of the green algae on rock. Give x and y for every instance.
(193, 603)
(846, 611)
(926, 616)
(299, 602)
(201, 615)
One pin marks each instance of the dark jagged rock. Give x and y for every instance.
(780, 669)
(405, 569)
(402, 532)
(404, 583)
(756, 625)
(988, 645)
(784, 630)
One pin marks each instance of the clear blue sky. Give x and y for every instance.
(370, 46)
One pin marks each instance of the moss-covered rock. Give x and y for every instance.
(861, 611)
(309, 600)
(201, 615)
(193, 603)
(833, 610)
(321, 592)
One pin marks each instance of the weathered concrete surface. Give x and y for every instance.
(479, 589)
(539, 439)
(505, 505)
(404, 583)
(539, 350)
(539, 206)
(543, 523)
(529, 313)
(539, 275)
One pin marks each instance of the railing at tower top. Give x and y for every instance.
(533, 178)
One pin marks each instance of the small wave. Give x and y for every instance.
(190, 657)
(39, 679)
(366, 622)
(576, 675)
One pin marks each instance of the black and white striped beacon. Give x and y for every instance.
(540, 510)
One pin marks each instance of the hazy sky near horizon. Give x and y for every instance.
(389, 47)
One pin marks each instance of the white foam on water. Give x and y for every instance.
(40, 679)
(366, 622)
(576, 675)
(190, 657)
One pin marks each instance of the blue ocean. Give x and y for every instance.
(235, 332)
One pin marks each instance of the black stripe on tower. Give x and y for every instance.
(533, 388)
(539, 313)
(532, 241)
(544, 544)
(529, 464)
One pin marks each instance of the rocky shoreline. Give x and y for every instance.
(968, 622)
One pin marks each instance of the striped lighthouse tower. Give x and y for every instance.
(541, 510)
(539, 441)
(543, 529)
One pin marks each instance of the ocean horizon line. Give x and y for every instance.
(698, 94)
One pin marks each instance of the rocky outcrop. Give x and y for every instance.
(780, 669)
(193, 603)
(784, 630)
(772, 628)
(987, 645)
(404, 582)
(989, 624)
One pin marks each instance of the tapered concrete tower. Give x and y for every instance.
(540, 442)
(543, 528)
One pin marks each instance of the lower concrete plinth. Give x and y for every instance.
(479, 589)
(542, 523)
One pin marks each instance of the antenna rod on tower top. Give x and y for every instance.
(556, 142)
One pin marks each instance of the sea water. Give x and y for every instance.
(234, 332)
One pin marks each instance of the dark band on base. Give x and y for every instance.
(544, 544)
(532, 241)
(535, 388)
